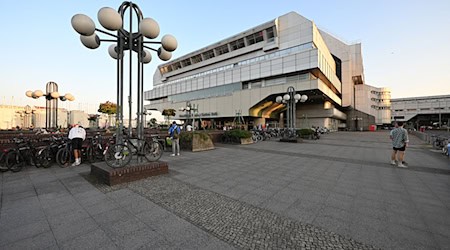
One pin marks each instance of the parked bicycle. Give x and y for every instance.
(65, 154)
(23, 153)
(47, 155)
(119, 155)
(3, 166)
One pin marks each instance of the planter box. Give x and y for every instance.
(246, 141)
(201, 143)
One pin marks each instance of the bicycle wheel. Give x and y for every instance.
(63, 157)
(118, 155)
(153, 151)
(3, 166)
(44, 158)
(14, 161)
(90, 154)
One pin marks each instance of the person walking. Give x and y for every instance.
(400, 140)
(77, 135)
(174, 133)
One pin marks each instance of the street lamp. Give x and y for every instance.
(131, 40)
(291, 99)
(51, 105)
(190, 110)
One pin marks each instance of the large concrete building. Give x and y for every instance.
(422, 111)
(244, 74)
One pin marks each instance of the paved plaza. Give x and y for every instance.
(339, 192)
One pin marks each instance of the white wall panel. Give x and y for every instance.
(277, 66)
(255, 72)
(245, 73)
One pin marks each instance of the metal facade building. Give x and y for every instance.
(243, 75)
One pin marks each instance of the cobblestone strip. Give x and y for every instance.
(235, 222)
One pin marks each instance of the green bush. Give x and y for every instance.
(304, 132)
(237, 133)
(235, 136)
(186, 138)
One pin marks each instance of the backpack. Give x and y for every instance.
(176, 133)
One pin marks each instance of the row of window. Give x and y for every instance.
(206, 93)
(228, 89)
(381, 107)
(222, 49)
(378, 100)
(279, 80)
(421, 109)
(301, 47)
(380, 92)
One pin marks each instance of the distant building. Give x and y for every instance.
(78, 117)
(245, 73)
(422, 111)
(27, 117)
(374, 101)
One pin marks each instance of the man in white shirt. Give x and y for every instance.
(77, 134)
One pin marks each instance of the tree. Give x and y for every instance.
(108, 108)
(168, 113)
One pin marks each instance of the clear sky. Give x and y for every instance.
(406, 43)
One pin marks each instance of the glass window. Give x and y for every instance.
(222, 49)
(208, 54)
(186, 62)
(196, 59)
(176, 66)
(255, 38)
(270, 34)
(237, 44)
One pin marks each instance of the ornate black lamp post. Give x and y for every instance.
(126, 40)
(51, 105)
(190, 110)
(291, 99)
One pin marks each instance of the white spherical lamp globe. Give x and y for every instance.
(297, 97)
(69, 97)
(29, 93)
(304, 98)
(149, 28)
(146, 56)
(279, 99)
(112, 51)
(54, 94)
(83, 24)
(109, 18)
(91, 42)
(163, 54)
(169, 43)
(286, 97)
(38, 93)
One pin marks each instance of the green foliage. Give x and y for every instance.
(168, 112)
(237, 133)
(304, 132)
(186, 138)
(108, 107)
(235, 136)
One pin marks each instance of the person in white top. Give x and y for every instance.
(77, 134)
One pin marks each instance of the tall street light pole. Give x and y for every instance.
(291, 99)
(126, 40)
(51, 105)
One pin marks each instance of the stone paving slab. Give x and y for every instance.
(331, 192)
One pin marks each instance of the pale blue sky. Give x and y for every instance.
(406, 44)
